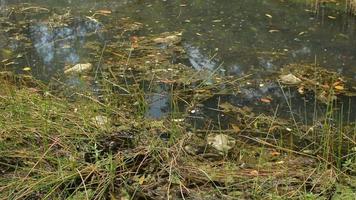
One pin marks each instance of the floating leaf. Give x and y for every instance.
(273, 31)
(331, 17)
(79, 68)
(266, 100)
(103, 12)
(169, 40)
(290, 79)
(339, 87)
(221, 142)
(217, 21)
(268, 15)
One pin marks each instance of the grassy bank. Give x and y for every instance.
(55, 147)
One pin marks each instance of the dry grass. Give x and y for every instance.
(352, 6)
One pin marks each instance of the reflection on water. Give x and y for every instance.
(62, 45)
(198, 60)
(248, 41)
(43, 42)
(2, 7)
(158, 100)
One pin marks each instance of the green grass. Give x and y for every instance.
(53, 149)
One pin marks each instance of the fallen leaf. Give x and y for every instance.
(266, 100)
(338, 83)
(290, 79)
(217, 21)
(105, 12)
(141, 180)
(100, 121)
(339, 87)
(275, 153)
(169, 40)
(301, 90)
(221, 142)
(273, 31)
(268, 15)
(254, 173)
(236, 128)
(79, 68)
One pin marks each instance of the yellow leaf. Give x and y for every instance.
(339, 87)
(141, 180)
(26, 69)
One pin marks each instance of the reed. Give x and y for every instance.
(352, 6)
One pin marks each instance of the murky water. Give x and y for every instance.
(240, 37)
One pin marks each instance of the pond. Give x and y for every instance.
(177, 99)
(237, 38)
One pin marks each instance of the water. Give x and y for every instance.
(240, 37)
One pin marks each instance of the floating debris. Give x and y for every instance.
(169, 40)
(327, 85)
(290, 79)
(79, 68)
(221, 142)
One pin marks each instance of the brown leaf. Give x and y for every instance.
(254, 173)
(103, 12)
(266, 100)
(275, 153)
(236, 128)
